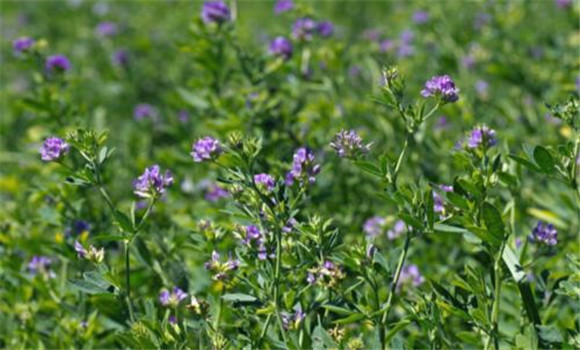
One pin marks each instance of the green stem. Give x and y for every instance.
(218, 317)
(400, 159)
(395, 281)
(264, 330)
(496, 301)
(276, 284)
(128, 280)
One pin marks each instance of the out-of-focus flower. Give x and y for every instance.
(398, 229)
(410, 274)
(92, 254)
(281, 47)
(303, 167)
(144, 111)
(265, 182)
(544, 234)
(120, 57)
(22, 45)
(215, 12)
(40, 265)
(303, 29)
(183, 116)
(420, 17)
(172, 298)
(325, 29)
(442, 122)
(438, 202)
(481, 20)
(349, 144)
(441, 87)
(57, 64)
(53, 149)
(283, 6)
(374, 226)
(215, 193)
(327, 275)
(78, 227)
(386, 45)
(563, 4)
(290, 225)
(152, 182)
(206, 148)
(106, 29)
(481, 87)
(481, 136)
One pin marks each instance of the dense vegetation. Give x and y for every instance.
(253, 174)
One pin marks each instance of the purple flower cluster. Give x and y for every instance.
(442, 87)
(292, 321)
(144, 111)
(405, 44)
(253, 234)
(93, 254)
(220, 269)
(281, 47)
(305, 28)
(303, 167)
(438, 202)
(283, 6)
(481, 136)
(215, 12)
(22, 45)
(349, 144)
(172, 298)
(40, 265)
(545, 234)
(410, 275)
(325, 29)
(206, 148)
(374, 226)
(57, 64)
(328, 274)
(152, 182)
(265, 182)
(106, 29)
(215, 193)
(53, 149)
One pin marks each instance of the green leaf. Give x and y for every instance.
(429, 209)
(550, 334)
(123, 221)
(526, 163)
(337, 309)
(544, 159)
(322, 340)
(350, 319)
(449, 228)
(493, 220)
(87, 286)
(369, 168)
(393, 330)
(411, 221)
(457, 200)
(239, 298)
(192, 99)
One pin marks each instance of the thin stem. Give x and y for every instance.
(496, 301)
(219, 312)
(400, 159)
(128, 280)
(264, 330)
(431, 111)
(395, 281)
(276, 283)
(143, 219)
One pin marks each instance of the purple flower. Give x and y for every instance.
(93, 254)
(544, 234)
(441, 87)
(411, 274)
(406, 37)
(420, 17)
(374, 226)
(325, 29)
(283, 6)
(442, 122)
(311, 278)
(303, 29)
(481, 87)
(292, 321)
(563, 3)
(53, 149)
(143, 111)
(106, 29)
(221, 269)
(349, 144)
(303, 167)
(152, 183)
(40, 264)
(172, 319)
(206, 148)
(481, 20)
(290, 224)
(481, 136)
(265, 182)
(173, 298)
(215, 12)
(252, 233)
(215, 193)
(468, 61)
(57, 63)
(397, 230)
(79, 226)
(120, 57)
(183, 116)
(22, 45)
(281, 47)
(386, 45)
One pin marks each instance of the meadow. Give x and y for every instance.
(290, 174)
